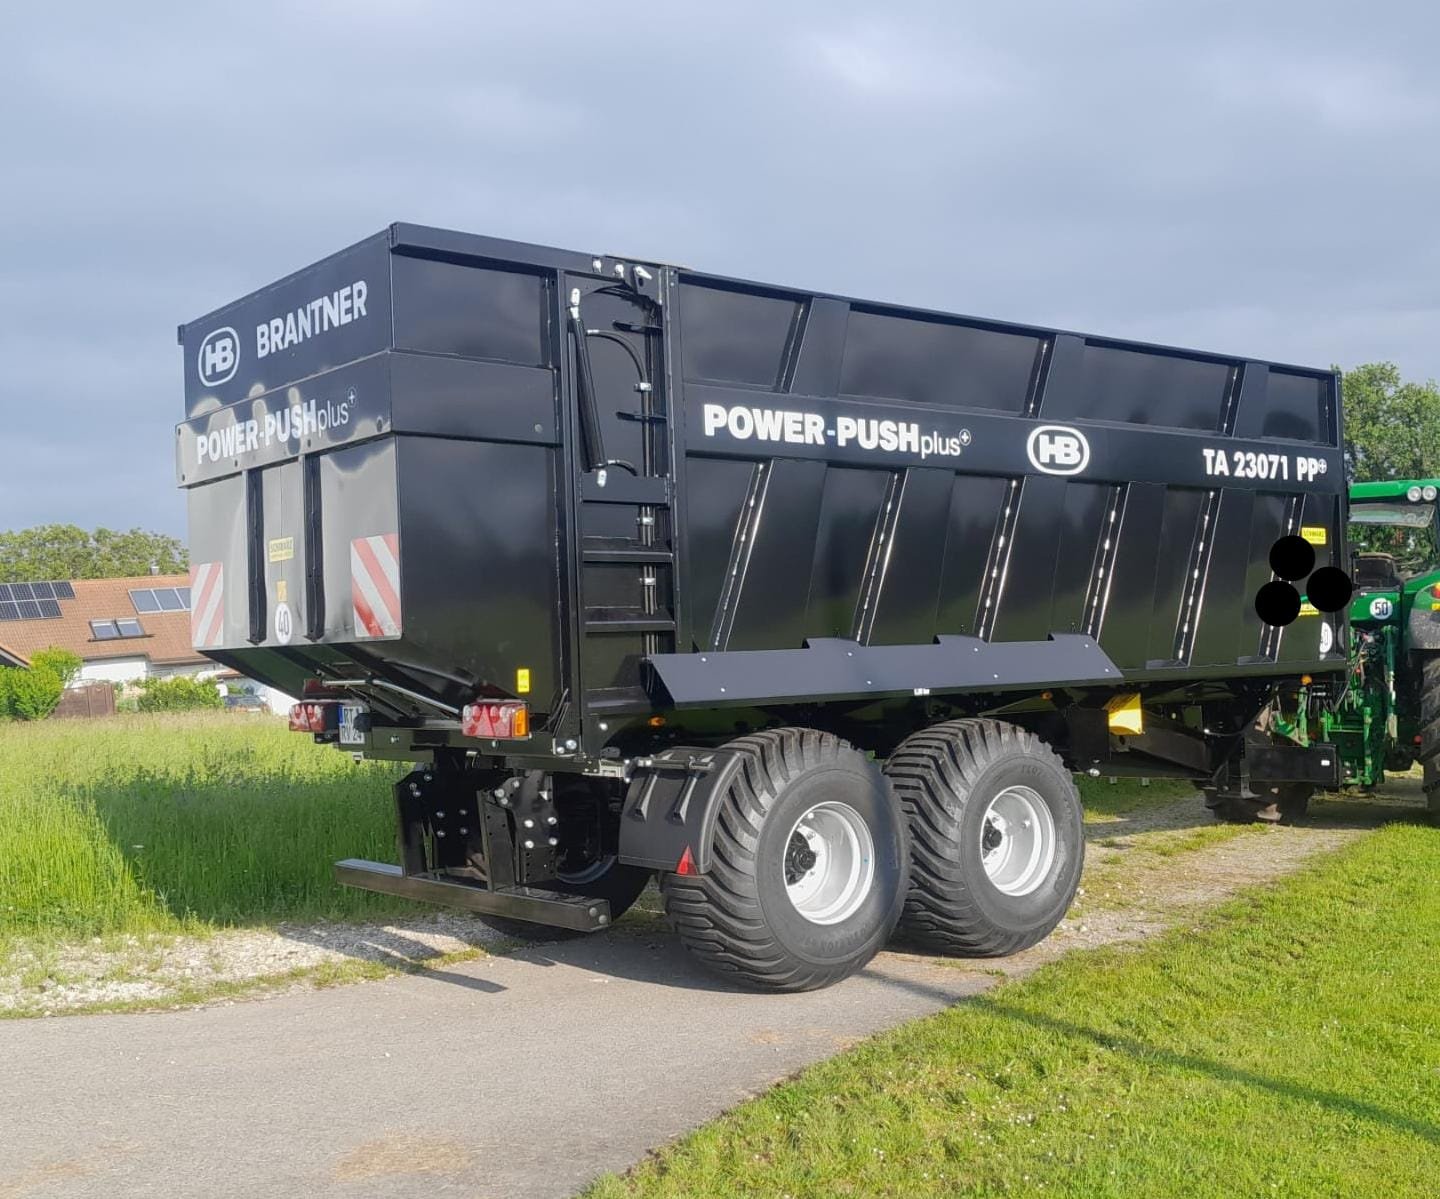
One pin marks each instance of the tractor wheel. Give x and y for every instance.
(808, 872)
(1430, 730)
(996, 839)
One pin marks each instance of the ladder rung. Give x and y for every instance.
(627, 620)
(627, 553)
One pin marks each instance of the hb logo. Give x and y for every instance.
(1058, 450)
(219, 357)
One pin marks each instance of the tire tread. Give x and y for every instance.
(932, 772)
(717, 915)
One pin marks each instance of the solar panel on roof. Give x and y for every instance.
(29, 610)
(184, 594)
(49, 609)
(63, 590)
(5, 592)
(168, 600)
(43, 591)
(144, 600)
(21, 591)
(9, 610)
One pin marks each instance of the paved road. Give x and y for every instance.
(514, 1076)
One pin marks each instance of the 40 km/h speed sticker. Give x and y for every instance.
(284, 624)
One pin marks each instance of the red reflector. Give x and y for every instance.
(686, 865)
(314, 717)
(502, 719)
(1417, 740)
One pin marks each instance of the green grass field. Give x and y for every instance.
(181, 823)
(176, 823)
(1288, 1045)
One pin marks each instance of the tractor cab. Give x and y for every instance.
(1395, 551)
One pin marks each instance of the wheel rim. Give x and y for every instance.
(1017, 841)
(829, 863)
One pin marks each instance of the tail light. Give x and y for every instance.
(506, 719)
(314, 716)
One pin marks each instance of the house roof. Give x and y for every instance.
(8, 657)
(166, 634)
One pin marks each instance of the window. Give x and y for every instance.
(115, 630)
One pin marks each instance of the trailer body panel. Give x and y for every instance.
(437, 468)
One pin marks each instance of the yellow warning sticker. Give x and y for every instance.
(1309, 609)
(282, 549)
(1314, 534)
(282, 591)
(522, 681)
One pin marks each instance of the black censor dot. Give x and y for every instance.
(1277, 603)
(1292, 557)
(1327, 589)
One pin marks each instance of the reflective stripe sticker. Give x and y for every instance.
(375, 585)
(207, 604)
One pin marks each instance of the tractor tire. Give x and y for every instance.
(808, 869)
(1430, 730)
(996, 837)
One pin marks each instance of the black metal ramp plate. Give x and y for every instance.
(517, 903)
(835, 668)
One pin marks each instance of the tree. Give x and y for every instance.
(1392, 427)
(1392, 431)
(67, 552)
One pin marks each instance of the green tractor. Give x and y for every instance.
(1389, 714)
(1386, 715)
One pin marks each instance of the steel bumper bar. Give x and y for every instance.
(516, 903)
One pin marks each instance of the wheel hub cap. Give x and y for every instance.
(829, 863)
(1017, 841)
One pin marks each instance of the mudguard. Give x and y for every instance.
(671, 807)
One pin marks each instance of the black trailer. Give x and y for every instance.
(809, 605)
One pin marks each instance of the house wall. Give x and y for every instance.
(133, 670)
(113, 670)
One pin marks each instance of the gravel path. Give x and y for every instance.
(157, 970)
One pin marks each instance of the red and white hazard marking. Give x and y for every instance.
(375, 585)
(207, 604)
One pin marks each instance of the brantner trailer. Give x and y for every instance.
(808, 605)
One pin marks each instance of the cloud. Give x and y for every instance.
(1255, 179)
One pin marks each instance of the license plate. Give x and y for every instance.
(352, 727)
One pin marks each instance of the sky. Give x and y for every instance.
(1256, 179)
